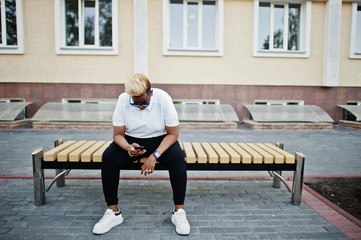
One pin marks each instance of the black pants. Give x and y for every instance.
(114, 158)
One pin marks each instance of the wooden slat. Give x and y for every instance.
(52, 154)
(289, 158)
(63, 156)
(246, 158)
(211, 154)
(222, 155)
(86, 154)
(256, 157)
(189, 153)
(266, 157)
(97, 156)
(200, 154)
(235, 157)
(194, 152)
(277, 157)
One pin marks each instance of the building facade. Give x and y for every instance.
(233, 50)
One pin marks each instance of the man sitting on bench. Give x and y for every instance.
(145, 124)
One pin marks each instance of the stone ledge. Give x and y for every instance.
(288, 125)
(15, 124)
(208, 125)
(352, 124)
(107, 125)
(72, 125)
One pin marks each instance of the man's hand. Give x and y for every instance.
(148, 166)
(135, 152)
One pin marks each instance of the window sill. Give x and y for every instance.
(355, 55)
(281, 54)
(11, 50)
(86, 51)
(193, 52)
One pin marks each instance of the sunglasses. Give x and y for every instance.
(138, 105)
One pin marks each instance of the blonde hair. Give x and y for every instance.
(137, 85)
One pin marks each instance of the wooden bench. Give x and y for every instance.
(198, 156)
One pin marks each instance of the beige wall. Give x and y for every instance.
(41, 64)
(237, 66)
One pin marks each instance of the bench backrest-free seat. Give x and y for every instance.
(198, 156)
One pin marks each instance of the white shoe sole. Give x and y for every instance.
(182, 234)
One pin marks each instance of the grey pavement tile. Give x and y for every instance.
(265, 219)
(221, 209)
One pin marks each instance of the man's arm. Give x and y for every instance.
(119, 139)
(168, 140)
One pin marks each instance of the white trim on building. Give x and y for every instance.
(141, 36)
(83, 49)
(304, 32)
(187, 49)
(17, 48)
(332, 42)
(355, 52)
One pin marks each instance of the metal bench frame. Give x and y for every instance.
(63, 169)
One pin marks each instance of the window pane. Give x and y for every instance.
(264, 25)
(72, 24)
(176, 24)
(89, 22)
(11, 31)
(278, 26)
(192, 29)
(209, 25)
(294, 27)
(358, 30)
(105, 22)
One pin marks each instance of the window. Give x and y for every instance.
(355, 49)
(86, 27)
(11, 28)
(282, 29)
(193, 27)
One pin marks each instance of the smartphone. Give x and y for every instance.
(139, 147)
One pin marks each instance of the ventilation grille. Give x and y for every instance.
(196, 101)
(10, 100)
(279, 102)
(90, 100)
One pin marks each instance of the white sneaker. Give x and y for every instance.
(179, 219)
(108, 221)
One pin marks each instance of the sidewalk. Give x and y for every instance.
(216, 209)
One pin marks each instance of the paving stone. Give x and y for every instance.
(216, 209)
(211, 221)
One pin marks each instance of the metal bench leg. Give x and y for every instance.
(60, 182)
(60, 175)
(277, 180)
(298, 180)
(38, 175)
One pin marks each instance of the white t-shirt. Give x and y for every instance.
(149, 122)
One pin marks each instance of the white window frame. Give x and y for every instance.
(191, 51)
(305, 32)
(353, 53)
(13, 49)
(60, 32)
